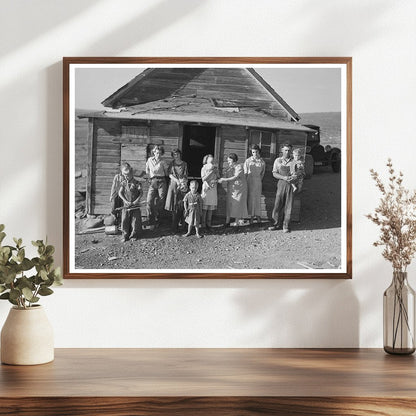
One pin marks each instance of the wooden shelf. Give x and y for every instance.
(212, 382)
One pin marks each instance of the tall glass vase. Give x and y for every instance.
(399, 316)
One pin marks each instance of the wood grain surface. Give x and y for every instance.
(212, 381)
(207, 406)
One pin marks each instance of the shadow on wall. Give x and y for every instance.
(360, 23)
(300, 313)
(375, 276)
(40, 16)
(306, 313)
(45, 16)
(157, 18)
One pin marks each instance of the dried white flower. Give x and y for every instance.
(396, 217)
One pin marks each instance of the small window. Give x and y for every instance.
(264, 140)
(134, 131)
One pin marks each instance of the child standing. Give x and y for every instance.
(209, 176)
(131, 216)
(192, 204)
(116, 202)
(297, 170)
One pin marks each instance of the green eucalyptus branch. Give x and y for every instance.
(15, 285)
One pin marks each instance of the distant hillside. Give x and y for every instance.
(330, 124)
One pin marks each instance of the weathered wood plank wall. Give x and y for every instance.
(106, 163)
(81, 146)
(112, 146)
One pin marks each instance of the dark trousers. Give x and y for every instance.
(157, 189)
(116, 202)
(177, 213)
(131, 222)
(282, 210)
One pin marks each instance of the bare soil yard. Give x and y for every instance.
(315, 242)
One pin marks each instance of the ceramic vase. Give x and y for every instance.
(27, 337)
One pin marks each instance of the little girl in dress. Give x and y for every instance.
(192, 204)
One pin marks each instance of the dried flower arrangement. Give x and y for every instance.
(396, 217)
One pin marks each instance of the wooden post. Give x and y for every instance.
(218, 141)
(274, 145)
(247, 142)
(90, 164)
(180, 136)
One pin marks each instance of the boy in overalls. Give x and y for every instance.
(131, 216)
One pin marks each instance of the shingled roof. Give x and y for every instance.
(234, 86)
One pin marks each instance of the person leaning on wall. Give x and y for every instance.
(157, 172)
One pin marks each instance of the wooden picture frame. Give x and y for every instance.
(141, 110)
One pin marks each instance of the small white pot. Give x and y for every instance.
(27, 337)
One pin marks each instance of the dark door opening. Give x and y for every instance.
(198, 141)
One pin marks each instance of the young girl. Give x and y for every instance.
(192, 204)
(297, 170)
(209, 176)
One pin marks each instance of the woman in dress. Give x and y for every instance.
(254, 168)
(178, 187)
(209, 176)
(235, 179)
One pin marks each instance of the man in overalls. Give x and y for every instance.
(282, 210)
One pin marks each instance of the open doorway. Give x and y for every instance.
(198, 141)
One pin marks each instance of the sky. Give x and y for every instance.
(306, 90)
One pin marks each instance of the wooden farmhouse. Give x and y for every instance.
(198, 110)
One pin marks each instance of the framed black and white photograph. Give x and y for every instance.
(207, 168)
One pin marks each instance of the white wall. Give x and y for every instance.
(380, 35)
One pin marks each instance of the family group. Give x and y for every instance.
(169, 190)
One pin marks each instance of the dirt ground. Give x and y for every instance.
(315, 242)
